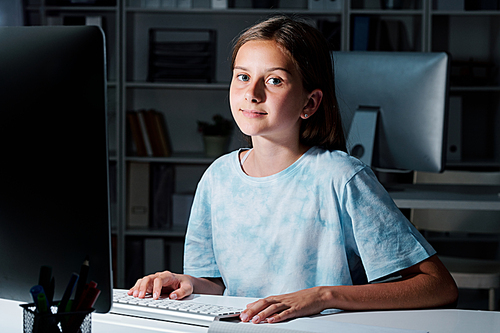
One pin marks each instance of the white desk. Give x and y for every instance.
(442, 321)
(424, 196)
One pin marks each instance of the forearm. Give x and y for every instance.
(424, 285)
(431, 287)
(212, 286)
(384, 296)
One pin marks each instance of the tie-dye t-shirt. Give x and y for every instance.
(325, 220)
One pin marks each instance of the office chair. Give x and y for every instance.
(468, 273)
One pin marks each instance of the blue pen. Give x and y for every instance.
(67, 293)
(35, 292)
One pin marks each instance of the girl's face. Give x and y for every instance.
(266, 95)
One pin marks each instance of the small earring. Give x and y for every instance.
(306, 115)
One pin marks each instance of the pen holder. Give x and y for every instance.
(53, 322)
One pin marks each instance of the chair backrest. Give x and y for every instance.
(466, 221)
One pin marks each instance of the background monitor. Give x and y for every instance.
(54, 168)
(399, 100)
(11, 13)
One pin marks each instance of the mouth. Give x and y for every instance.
(253, 113)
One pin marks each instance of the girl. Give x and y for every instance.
(295, 220)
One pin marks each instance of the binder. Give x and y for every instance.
(138, 195)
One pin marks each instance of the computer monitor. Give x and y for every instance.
(54, 168)
(395, 107)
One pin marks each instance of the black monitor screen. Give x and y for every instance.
(54, 168)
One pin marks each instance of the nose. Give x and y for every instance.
(255, 92)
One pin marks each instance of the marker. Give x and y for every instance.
(89, 300)
(84, 272)
(67, 293)
(50, 292)
(45, 276)
(46, 280)
(91, 285)
(35, 292)
(42, 303)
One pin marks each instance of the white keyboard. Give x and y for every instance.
(179, 311)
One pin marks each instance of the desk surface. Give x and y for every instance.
(442, 321)
(424, 196)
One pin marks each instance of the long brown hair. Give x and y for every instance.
(311, 55)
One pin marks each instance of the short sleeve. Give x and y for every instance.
(379, 233)
(199, 258)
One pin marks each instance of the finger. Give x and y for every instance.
(134, 291)
(284, 315)
(277, 317)
(157, 286)
(145, 287)
(268, 312)
(185, 289)
(131, 290)
(249, 305)
(254, 308)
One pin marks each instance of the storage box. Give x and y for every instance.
(182, 55)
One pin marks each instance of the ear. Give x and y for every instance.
(313, 103)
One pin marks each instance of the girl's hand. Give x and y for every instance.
(274, 309)
(177, 285)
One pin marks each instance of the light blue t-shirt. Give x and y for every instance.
(323, 221)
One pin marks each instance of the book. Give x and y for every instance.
(136, 134)
(149, 133)
(138, 195)
(332, 32)
(145, 134)
(392, 36)
(361, 33)
(162, 136)
(162, 188)
(157, 133)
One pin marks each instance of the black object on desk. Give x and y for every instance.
(54, 199)
(54, 322)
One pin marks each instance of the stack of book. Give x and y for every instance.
(182, 55)
(149, 133)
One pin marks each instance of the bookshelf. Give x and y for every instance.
(465, 34)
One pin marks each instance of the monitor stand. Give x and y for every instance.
(361, 138)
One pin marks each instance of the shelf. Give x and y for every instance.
(384, 12)
(466, 12)
(176, 158)
(475, 89)
(73, 8)
(174, 85)
(231, 11)
(147, 232)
